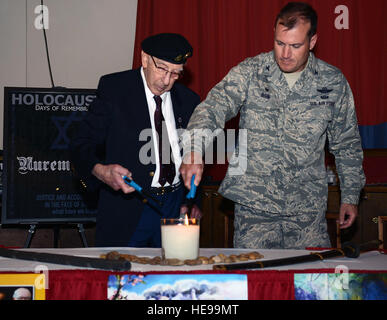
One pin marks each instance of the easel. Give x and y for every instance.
(56, 230)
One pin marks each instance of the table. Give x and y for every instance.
(68, 282)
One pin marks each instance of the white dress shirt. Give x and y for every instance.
(167, 110)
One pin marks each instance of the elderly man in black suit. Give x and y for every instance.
(119, 137)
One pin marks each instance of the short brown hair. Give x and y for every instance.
(291, 13)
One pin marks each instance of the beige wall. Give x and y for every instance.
(86, 39)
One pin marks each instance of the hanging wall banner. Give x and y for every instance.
(38, 182)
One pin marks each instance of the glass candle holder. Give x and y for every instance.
(180, 238)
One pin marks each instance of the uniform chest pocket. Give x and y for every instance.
(308, 125)
(260, 114)
(316, 112)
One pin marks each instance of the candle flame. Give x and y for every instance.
(186, 221)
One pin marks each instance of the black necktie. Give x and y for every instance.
(167, 170)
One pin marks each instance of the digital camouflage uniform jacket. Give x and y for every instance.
(281, 168)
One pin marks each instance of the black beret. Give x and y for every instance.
(170, 47)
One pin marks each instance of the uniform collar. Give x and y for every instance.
(308, 76)
(275, 75)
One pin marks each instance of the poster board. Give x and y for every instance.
(39, 184)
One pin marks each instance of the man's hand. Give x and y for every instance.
(192, 164)
(348, 214)
(195, 211)
(111, 174)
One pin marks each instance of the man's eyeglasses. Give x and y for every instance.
(164, 72)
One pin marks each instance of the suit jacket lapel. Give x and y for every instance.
(137, 95)
(177, 106)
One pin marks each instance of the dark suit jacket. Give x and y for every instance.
(110, 135)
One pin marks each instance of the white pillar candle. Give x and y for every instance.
(180, 240)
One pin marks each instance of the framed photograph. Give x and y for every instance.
(26, 286)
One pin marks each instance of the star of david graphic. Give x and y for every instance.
(62, 123)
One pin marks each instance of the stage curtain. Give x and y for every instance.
(225, 32)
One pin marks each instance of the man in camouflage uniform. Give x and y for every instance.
(289, 102)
